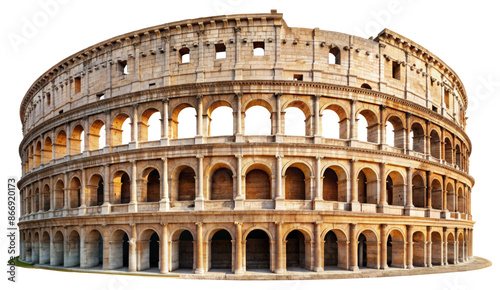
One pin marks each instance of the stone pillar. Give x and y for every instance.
(279, 199)
(132, 207)
(382, 126)
(198, 201)
(409, 246)
(429, 189)
(429, 247)
(355, 205)
(106, 207)
(83, 196)
(353, 135)
(280, 261)
(199, 120)
(383, 185)
(408, 133)
(238, 132)
(164, 199)
(164, 249)
(135, 128)
(317, 247)
(239, 199)
(383, 246)
(66, 192)
(278, 116)
(164, 124)
(132, 260)
(353, 244)
(68, 143)
(239, 249)
(199, 249)
(409, 187)
(317, 125)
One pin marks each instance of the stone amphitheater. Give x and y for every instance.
(377, 179)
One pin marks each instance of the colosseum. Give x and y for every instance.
(342, 154)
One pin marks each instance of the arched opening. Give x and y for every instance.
(47, 151)
(46, 197)
(45, 249)
(461, 201)
(458, 157)
(366, 86)
(60, 145)
(258, 250)
(450, 198)
(417, 138)
(450, 241)
(368, 126)
(395, 189)
(74, 193)
(448, 151)
(436, 246)
(331, 250)
(73, 250)
(94, 247)
(153, 186)
(258, 48)
(330, 124)
(118, 250)
(258, 120)
(38, 154)
(396, 249)
(295, 184)
(334, 56)
(395, 135)
(297, 119)
(183, 122)
(330, 185)
(437, 195)
(419, 249)
(37, 200)
(97, 135)
(29, 202)
(367, 186)
(121, 130)
(187, 185)
(221, 250)
(59, 194)
(96, 190)
(222, 184)
(77, 145)
(35, 254)
(58, 247)
(150, 126)
(461, 248)
(220, 119)
(418, 191)
(183, 251)
(257, 185)
(435, 145)
(148, 251)
(121, 187)
(368, 250)
(295, 250)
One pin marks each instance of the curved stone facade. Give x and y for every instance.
(399, 198)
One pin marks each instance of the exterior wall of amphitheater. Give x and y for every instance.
(246, 201)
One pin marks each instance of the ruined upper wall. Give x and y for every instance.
(151, 58)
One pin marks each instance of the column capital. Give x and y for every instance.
(199, 156)
(279, 156)
(353, 160)
(238, 224)
(239, 156)
(238, 95)
(166, 100)
(319, 157)
(278, 95)
(199, 98)
(199, 224)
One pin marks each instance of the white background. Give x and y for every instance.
(464, 34)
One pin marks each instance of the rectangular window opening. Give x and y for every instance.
(435, 109)
(100, 96)
(258, 48)
(298, 77)
(122, 64)
(220, 51)
(396, 70)
(78, 85)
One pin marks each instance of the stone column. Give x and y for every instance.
(132, 207)
(199, 120)
(164, 249)
(106, 208)
(317, 133)
(383, 246)
(355, 205)
(279, 199)
(239, 249)
(353, 244)
(429, 190)
(317, 247)
(383, 185)
(278, 114)
(198, 201)
(239, 199)
(238, 132)
(382, 126)
(409, 246)
(66, 191)
(68, 142)
(132, 260)
(83, 196)
(164, 124)
(164, 199)
(429, 247)
(280, 261)
(135, 129)
(353, 134)
(199, 248)
(408, 131)
(409, 187)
